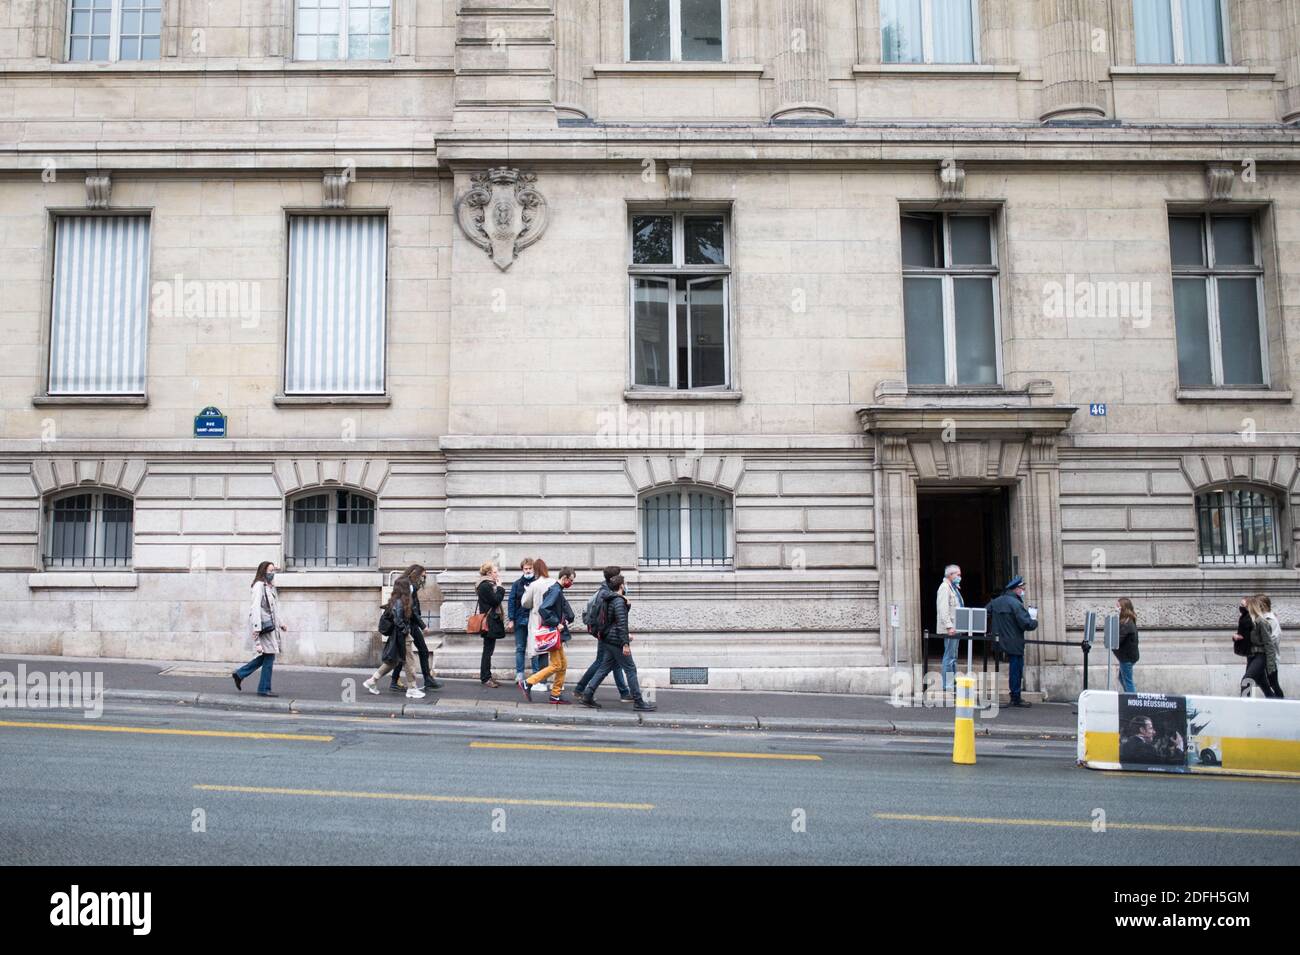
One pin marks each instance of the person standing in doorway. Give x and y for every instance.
(490, 599)
(517, 614)
(1008, 621)
(265, 627)
(1127, 651)
(945, 607)
(589, 614)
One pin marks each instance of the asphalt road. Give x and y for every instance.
(395, 791)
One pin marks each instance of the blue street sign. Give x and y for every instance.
(210, 423)
(1097, 410)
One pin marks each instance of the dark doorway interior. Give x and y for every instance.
(969, 527)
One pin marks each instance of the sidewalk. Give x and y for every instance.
(322, 690)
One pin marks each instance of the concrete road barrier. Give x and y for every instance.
(1189, 734)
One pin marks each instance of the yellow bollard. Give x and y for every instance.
(963, 736)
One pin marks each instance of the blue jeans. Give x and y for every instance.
(521, 646)
(950, 645)
(602, 648)
(265, 661)
(1126, 676)
(1017, 672)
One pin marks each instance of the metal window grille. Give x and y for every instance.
(686, 529)
(91, 529)
(1238, 526)
(331, 530)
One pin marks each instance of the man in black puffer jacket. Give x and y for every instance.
(618, 653)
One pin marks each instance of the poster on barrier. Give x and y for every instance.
(1152, 731)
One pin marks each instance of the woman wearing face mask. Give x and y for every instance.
(517, 614)
(1127, 651)
(265, 627)
(490, 599)
(397, 648)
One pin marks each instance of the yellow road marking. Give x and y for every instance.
(642, 751)
(1078, 824)
(226, 734)
(422, 797)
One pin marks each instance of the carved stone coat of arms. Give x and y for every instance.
(503, 213)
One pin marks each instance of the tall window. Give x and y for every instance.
(1179, 31)
(950, 309)
(675, 29)
(679, 276)
(1218, 296)
(331, 529)
(928, 31)
(690, 527)
(343, 29)
(88, 529)
(100, 312)
(110, 30)
(334, 340)
(1238, 526)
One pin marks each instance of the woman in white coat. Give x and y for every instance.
(265, 627)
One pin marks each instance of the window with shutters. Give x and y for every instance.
(100, 307)
(335, 331)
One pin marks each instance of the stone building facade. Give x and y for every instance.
(780, 304)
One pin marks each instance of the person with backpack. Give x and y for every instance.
(553, 614)
(395, 625)
(594, 619)
(416, 576)
(619, 657)
(517, 616)
(490, 599)
(265, 628)
(1261, 661)
(1127, 651)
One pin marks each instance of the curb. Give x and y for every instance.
(569, 716)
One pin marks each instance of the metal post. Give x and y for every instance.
(1086, 647)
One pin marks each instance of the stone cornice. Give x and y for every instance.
(967, 420)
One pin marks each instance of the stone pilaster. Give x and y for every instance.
(1072, 66)
(898, 550)
(505, 63)
(799, 62)
(1038, 511)
(573, 21)
(1291, 65)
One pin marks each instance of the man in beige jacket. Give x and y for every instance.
(945, 608)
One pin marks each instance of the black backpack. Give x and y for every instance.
(386, 623)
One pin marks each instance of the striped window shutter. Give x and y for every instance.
(100, 318)
(334, 342)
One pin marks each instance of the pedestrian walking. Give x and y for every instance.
(530, 602)
(416, 576)
(616, 635)
(491, 600)
(264, 629)
(1008, 621)
(947, 600)
(395, 624)
(1275, 625)
(1261, 661)
(1127, 651)
(589, 613)
(552, 612)
(517, 615)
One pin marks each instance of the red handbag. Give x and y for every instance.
(547, 638)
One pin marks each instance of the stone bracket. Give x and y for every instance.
(99, 190)
(679, 181)
(1220, 180)
(335, 184)
(952, 181)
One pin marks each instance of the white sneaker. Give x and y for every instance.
(370, 685)
(413, 693)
